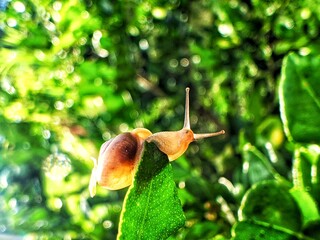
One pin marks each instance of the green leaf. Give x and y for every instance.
(299, 94)
(255, 231)
(271, 202)
(256, 167)
(308, 206)
(306, 169)
(152, 209)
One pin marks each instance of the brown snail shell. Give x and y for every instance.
(117, 160)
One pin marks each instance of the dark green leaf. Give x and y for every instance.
(252, 231)
(313, 229)
(271, 202)
(256, 166)
(205, 230)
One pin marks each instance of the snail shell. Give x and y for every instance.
(117, 160)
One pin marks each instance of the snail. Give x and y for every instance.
(117, 160)
(119, 157)
(175, 143)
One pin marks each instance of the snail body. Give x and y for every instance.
(117, 160)
(175, 143)
(172, 143)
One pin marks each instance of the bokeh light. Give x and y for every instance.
(57, 166)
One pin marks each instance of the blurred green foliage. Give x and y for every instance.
(73, 74)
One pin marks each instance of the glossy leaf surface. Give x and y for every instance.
(152, 209)
(300, 98)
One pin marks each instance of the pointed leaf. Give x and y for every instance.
(152, 209)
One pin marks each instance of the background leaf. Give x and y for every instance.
(306, 170)
(152, 209)
(300, 98)
(271, 202)
(308, 206)
(256, 167)
(255, 231)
